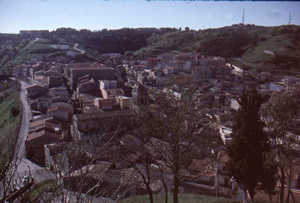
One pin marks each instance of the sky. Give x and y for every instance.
(18, 15)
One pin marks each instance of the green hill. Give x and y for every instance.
(35, 49)
(242, 44)
(19, 48)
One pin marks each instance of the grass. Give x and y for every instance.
(277, 44)
(183, 198)
(35, 49)
(9, 98)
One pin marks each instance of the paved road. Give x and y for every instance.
(25, 166)
(24, 128)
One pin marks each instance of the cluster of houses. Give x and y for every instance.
(218, 83)
(69, 104)
(82, 104)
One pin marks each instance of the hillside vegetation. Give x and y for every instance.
(107, 41)
(17, 48)
(243, 44)
(10, 44)
(10, 117)
(34, 49)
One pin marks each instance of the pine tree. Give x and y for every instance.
(249, 144)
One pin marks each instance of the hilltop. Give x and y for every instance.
(253, 47)
(257, 48)
(69, 44)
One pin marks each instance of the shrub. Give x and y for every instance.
(14, 111)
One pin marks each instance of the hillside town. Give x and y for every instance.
(149, 101)
(81, 113)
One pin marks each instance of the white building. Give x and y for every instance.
(108, 84)
(225, 134)
(234, 104)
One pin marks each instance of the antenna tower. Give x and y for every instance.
(243, 16)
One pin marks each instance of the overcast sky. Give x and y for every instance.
(18, 15)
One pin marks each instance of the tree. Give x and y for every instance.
(249, 144)
(146, 165)
(176, 128)
(145, 171)
(14, 111)
(281, 116)
(270, 176)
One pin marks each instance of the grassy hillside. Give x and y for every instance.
(178, 40)
(242, 44)
(10, 117)
(17, 49)
(10, 44)
(35, 49)
(246, 43)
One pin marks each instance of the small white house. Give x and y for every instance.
(234, 104)
(225, 134)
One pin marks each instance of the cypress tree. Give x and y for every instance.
(249, 144)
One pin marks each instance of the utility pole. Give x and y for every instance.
(243, 16)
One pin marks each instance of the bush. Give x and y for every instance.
(14, 111)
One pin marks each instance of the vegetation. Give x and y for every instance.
(34, 49)
(158, 44)
(108, 41)
(183, 134)
(9, 120)
(10, 44)
(9, 125)
(179, 126)
(282, 110)
(249, 146)
(17, 49)
(186, 198)
(38, 190)
(247, 42)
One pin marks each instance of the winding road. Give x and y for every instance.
(24, 128)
